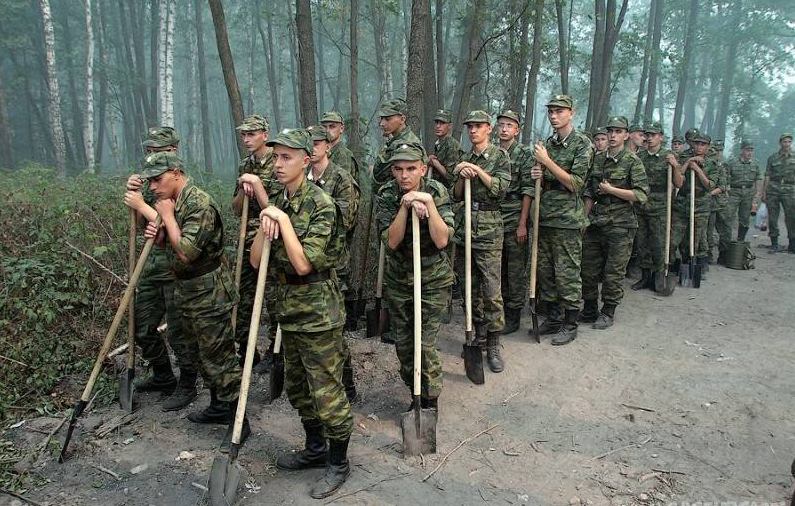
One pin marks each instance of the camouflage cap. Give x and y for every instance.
(599, 131)
(701, 137)
(617, 122)
(561, 101)
(784, 136)
(295, 138)
(444, 116)
(635, 128)
(332, 117)
(392, 108)
(678, 138)
(718, 144)
(690, 133)
(160, 137)
(653, 128)
(512, 115)
(478, 116)
(160, 162)
(318, 133)
(253, 123)
(410, 152)
(746, 144)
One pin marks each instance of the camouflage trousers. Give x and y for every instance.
(650, 241)
(401, 314)
(719, 223)
(487, 307)
(313, 379)
(559, 260)
(248, 285)
(680, 236)
(605, 255)
(206, 302)
(740, 202)
(515, 261)
(777, 198)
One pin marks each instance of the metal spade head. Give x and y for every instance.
(224, 481)
(419, 430)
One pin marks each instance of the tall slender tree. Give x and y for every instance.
(685, 64)
(89, 121)
(644, 73)
(608, 19)
(54, 94)
(6, 156)
(207, 150)
(307, 82)
(354, 137)
(471, 52)
(654, 66)
(727, 81)
(535, 67)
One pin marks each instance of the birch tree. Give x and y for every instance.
(168, 71)
(89, 121)
(6, 158)
(54, 95)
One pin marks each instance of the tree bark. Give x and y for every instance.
(518, 61)
(78, 151)
(103, 86)
(644, 74)
(140, 65)
(468, 66)
(6, 156)
(307, 82)
(440, 56)
(133, 102)
(54, 94)
(321, 67)
(685, 69)
(293, 59)
(162, 42)
(89, 122)
(268, 50)
(383, 54)
(535, 67)
(564, 27)
(354, 136)
(154, 52)
(608, 26)
(654, 70)
(168, 93)
(203, 106)
(727, 82)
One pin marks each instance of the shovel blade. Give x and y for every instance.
(76, 412)
(534, 319)
(473, 360)
(276, 381)
(696, 269)
(224, 481)
(684, 274)
(422, 441)
(664, 284)
(126, 379)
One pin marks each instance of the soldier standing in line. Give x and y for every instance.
(447, 150)
(744, 177)
(204, 289)
(338, 152)
(600, 140)
(563, 162)
(719, 221)
(637, 139)
(779, 192)
(154, 298)
(617, 181)
(488, 167)
(677, 144)
(302, 224)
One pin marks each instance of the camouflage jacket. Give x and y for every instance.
(703, 199)
(340, 155)
(522, 160)
(781, 169)
(657, 167)
(487, 229)
(317, 306)
(381, 168)
(561, 208)
(158, 267)
(264, 169)
(743, 174)
(624, 171)
(720, 200)
(448, 151)
(202, 231)
(344, 190)
(436, 269)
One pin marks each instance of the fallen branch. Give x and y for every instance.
(347, 494)
(97, 263)
(631, 445)
(118, 351)
(641, 408)
(458, 446)
(23, 364)
(20, 497)
(669, 471)
(106, 470)
(46, 442)
(114, 423)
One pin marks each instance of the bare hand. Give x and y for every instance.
(269, 221)
(421, 209)
(672, 161)
(135, 183)
(541, 153)
(165, 208)
(151, 230)
(537, 172)
(606, 188)
(413, 196)
(521, 233)
(133, 199)
(467, 170)
(249, 182)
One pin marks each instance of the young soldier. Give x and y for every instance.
(257, 180)
(563, 162)
(515, 208)
(650, 238)
(779, 191)
(410, 190)
(301, 222)
(154, 298)
(342, 188)
(395, 132)
(744, 177)
(488, 167)
(637, 139)
(204, 289)
(446, 150)
(617, 181)
(338, 152)
(719, 217)
(677, 144)
(600, 140)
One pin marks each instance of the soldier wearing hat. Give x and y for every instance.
(779, 192)
(744, 176)
(600, 140)
(395, 132)
(563, 161)
(719, 221)
(154, 299)
(687, 152)
(488, 167)
(616, 182)
(338, 152)
(301, 223)
(637, 138)
(193, 233)
(410, 190)
(677, 144)
(446, 150)
(515, 210)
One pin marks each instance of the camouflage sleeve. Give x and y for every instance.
(640, 181)
(712, 170)
(501, 175)
(346, 198)
(241, 169)
(445, 208)
(316, 241)
(587, 186)
(527, 186)
(385, 211)
(451, 156)
(198, 226)
(758, 171)
(583, 158)
(723, 180)
(769, 165)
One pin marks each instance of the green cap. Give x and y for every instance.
(599, 131)
(746, 144)
(332, 117)
(253, 123)
(690, 134)
(618, 122)
(635, 128)
(411, 152)
(718, 145)
(701, 137)
(478, 116)
(160, 137)
(784, 136)
(392, 108)
(561, 101)
(653, 128)
(512, 115)
(296, 138)
(318, 133)
(678, 138)
(444, 116)
(160, 162)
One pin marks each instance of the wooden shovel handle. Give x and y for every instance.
(668, 197)
(131, 306)
(379, 284)
(534, 250)
(692, 214)
(468, 253)
(277, 341)
(241, 248)
(417, 265)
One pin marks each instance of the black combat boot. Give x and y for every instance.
(337, 470)
(644, 281)
(512, 317)
(351, 322)
(348, 381)
(721, 258)
(590, 311)
(218, 411)
(265, 365)
(704, 267)
(161, 380)
(245, 432)
(606, 317)
(553, 323)
(314, 454)
(185, 392)
(493, 352)
(791, 248)
(741, 231)
(568, 329)
(774, 247)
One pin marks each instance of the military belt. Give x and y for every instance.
(482, 206)
(783, 180)
(312, 277)
(200, 270)
(743, 185)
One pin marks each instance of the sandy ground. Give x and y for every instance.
(684, 400)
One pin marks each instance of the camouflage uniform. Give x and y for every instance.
(743, 177)
(339, 153)
(382, 173)
(448, 151)
(652, 218)
(780, 193)
(719, 221)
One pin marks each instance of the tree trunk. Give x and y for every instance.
(103, 86)
(430, 97)
(685, 70)
(228, 67)
(383, 53)
(440, 56)
(535, 67)
(168, 93)
(140, 65)
(414, 78)
(293, 59)
(252, 43)
(729, 70)
(644, 74)
(205, 109)
(320, 57)
(89, 123)
(708, 120)
(161, 59)
(76, 132)
(133, 102)
(353, 132)
(468, 66)
(654, 69)
(154, 61)
(272, 84)
(564, 27)
(608, 26)
(54, 94)
(518, 61)
(307, 82)
(6, 156)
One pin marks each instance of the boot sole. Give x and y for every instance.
(332, 491)
(179, 406)
(319, 465)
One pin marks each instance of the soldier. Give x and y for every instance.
(600, 140)
(395, 132)
(677, 144)
(744, 177)
(515, 208)
(617, 181)
(154, 299)
(779, 192)
(302, 224)
(257, 180)
(719, 221)
(410, 190)
(637, 139)
(488, 167)
(342, 188)
(338, 152)
(447, 150)
(204, 289)
(650, 239)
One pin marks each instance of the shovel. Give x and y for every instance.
(241, 249)
(447, 316)
(225, 474)
(534, 260)
(360, 302)
(378, 317)
(686, 269)
(127, 376)
(276, 380)
(665, 284)
(695, 268)
(418, 425)
(473, 356)
(103, 351)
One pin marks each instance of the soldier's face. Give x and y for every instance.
(786, 144)
(637, 138)
(165, 185)
(654, 140)
(677, 146)
(559, 117)
(334, 129)
(747, 153)
(289, 164)
(391, 124)
(507, 130)
(254, 140)
(320, 150)
(616, 137)
(478, 132)
(152, 149)
(700, 148)
(408, 174)
(600, 142)
(441, 128)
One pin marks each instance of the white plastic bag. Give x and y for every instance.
(761, 216)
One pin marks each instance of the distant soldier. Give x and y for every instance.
(616, 182)
(447, 151)
(600, 140)
(192, 229)
(719, 221)
(687, 151)
(677, 144)
(744, 177)
(338, 152)
(488, 167)
(395, 132)
(779, 192)
(637, 139)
